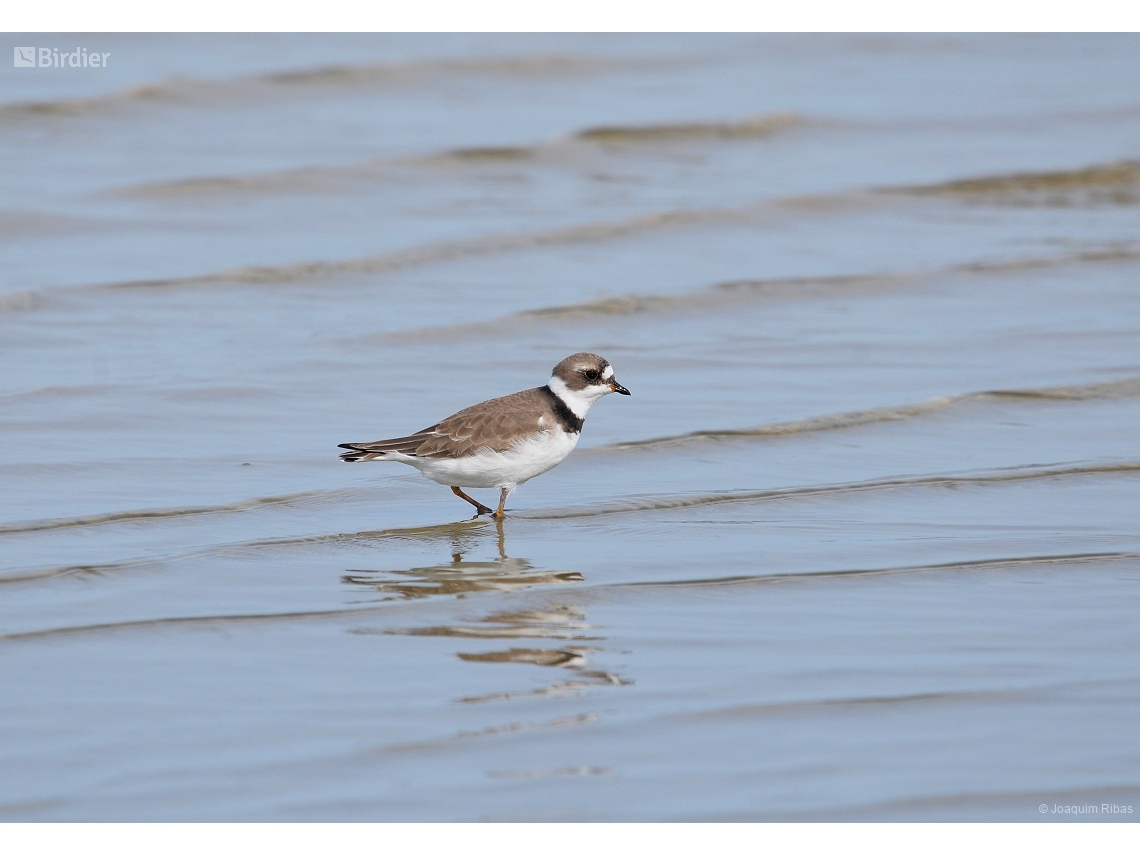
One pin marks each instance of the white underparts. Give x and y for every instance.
(525, 459)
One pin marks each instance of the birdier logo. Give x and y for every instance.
(45, 57)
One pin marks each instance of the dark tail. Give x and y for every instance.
(356, 453)
(380, 450)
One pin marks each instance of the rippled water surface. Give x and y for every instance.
(863, 544)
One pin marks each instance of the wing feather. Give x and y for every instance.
(493, 424)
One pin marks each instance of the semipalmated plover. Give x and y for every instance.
(505, 441)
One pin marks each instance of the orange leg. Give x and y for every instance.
(483, 509)
(505, 491)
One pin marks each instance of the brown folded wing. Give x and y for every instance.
(493, 424)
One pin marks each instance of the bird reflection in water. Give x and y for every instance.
(459, 576)
(555, 621)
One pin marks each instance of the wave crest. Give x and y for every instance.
(1117, 183)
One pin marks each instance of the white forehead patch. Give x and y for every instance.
(609, 372)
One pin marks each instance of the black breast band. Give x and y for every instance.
(570, 422)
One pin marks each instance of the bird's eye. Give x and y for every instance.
(591, 374)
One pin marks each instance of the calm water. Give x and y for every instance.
(864, 543)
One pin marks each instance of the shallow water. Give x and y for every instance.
(862, 545)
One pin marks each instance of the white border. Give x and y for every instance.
(576, 16)
(1041, 838)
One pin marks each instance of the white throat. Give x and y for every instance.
(579, 402)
